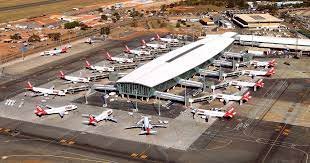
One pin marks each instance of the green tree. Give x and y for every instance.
(54, 36)
(71, 25)
(104, 17)
(34, 38)
(178, 25)
(105, 31)
(16, 36)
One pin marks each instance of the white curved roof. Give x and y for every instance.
(274, 40)
(178, 61)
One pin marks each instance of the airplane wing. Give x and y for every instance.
(137, 126)
(61, 114)
(159, 126)
(52, 87)
(111, 119)
(151, 132)
(49, 107)
(37, 94)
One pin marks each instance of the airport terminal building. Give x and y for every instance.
(168, 70)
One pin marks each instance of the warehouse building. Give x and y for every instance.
(256, 21)
(178, 65)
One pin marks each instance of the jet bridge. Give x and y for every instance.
(190, 83)
(169, 96)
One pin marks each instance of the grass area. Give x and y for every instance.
(43, 9)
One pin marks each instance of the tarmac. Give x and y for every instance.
(271, 127)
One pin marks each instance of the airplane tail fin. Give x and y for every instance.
(92, 120)
(272, 62)
(126, 48)
(109, 56)
(39, 111)
(61, 74)
(260, 83)
(148, 131)
(87, 64)
(29, 85)
(246, 96)
(64, 50)
(271, 71)
(230, 113)
(143, 42)
(157, 37)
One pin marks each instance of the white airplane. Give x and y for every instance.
(89, 41)
(45, 91)
(254, 73)
(167, 40)
(153, 46)
(266, 64)
(118, 59)
(73, 79)
(241, 84)
(54, 52)
(55, 110)
(226, 98)
(146, 126)
(215, 112)
(136, 52)
(99, 68)
(105, 115)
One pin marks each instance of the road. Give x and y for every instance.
(33, 4)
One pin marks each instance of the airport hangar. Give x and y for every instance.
(256, 20)
(174, 67)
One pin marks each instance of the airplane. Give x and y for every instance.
(54, 52)
(94, 119)
(153, 46)
(99, 68)
(73, 79)
(136, 52)
(254, 73)
(45, 91)
(167, 40)
(118, 59)
(63, 110)
(241, 84)
(266, 64)
(146, 126)
(215, 112)
(89, 41)
(226, 98)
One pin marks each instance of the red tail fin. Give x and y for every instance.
(143, 42)
(62, 75)
(39, 111)
(148, 130)
(64, 50)
(246, 96)
(230, 113)
(87, 64)
(109, 56)
(271, 71)
(157, 37)
(272, 62)
(92, 120)
(29, 86)
(260, 83)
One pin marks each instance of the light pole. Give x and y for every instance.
(136, 105)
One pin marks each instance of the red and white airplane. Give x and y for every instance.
(105, 115)
(136, 52)
(266, 64)
(63, 110)
(99, 68)
(254, 73)
(226, 98)
(153, 46)
(73, 79)
(146, 126)
(166, 40)
(118, 59)
(54, 52)
(241, 84)
(45, 91)
(215, 112)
